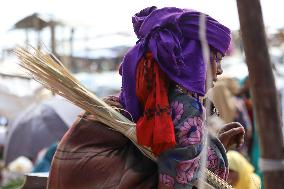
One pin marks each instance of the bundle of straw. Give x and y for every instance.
(50, 72)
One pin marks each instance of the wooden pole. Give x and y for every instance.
(52, 37)
(263, 88)
(27, 37)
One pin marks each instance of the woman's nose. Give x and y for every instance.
(219, 69)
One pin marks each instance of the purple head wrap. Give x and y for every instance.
(172, 36)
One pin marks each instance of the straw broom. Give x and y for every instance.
(50, 72)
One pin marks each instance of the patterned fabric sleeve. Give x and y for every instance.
(179, 167)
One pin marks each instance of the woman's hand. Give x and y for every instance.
(113, 101)
(230, 134)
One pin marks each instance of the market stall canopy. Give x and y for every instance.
(33, 21)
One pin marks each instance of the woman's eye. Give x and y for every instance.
(219, 56)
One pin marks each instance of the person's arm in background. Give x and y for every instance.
(232, 134)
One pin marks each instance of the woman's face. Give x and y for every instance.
(215, 65)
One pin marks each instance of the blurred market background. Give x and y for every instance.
(91, 37)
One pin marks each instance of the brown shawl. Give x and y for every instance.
(92, 156)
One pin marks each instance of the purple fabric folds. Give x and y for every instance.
(172, 35)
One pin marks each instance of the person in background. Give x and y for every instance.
(245, 94)
(241, 172)
(43, 163)
(232, 108)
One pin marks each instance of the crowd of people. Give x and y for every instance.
(233, 100)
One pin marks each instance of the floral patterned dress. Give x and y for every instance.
(179, 166)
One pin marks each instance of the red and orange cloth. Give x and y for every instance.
(155, 127)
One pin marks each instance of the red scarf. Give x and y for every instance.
(155, 128)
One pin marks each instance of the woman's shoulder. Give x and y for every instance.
(186, 103)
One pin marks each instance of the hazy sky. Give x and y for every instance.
(109, 16)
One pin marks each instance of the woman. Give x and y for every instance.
(163, 80)
(241, 175)
(164, 77)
